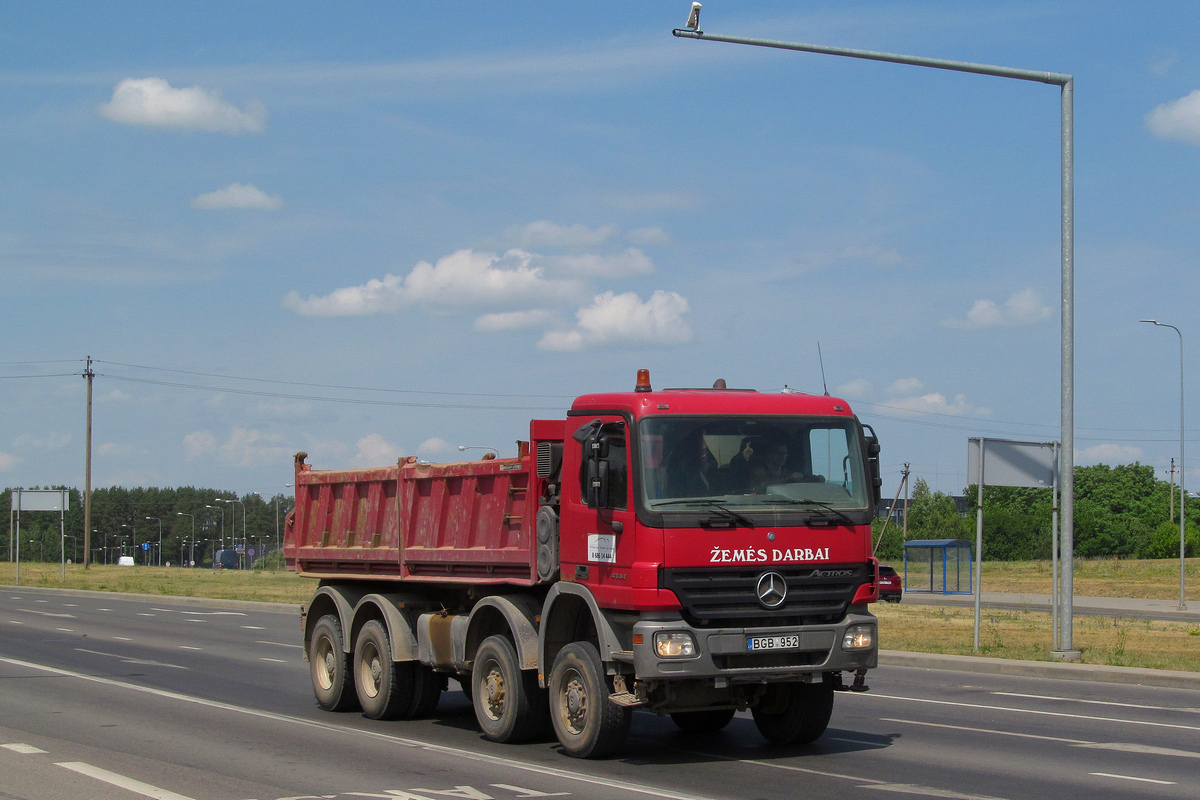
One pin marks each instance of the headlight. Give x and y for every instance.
(674, 645)
(859, 637)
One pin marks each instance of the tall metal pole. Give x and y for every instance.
(1067, 389)
(192, 541)
(1182, 481)
(87, 472)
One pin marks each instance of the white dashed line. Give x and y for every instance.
(1132, 778)
(188, 647)
(253, 628)
(113, 779)
(23, 749)
(274, 660)
(281, 644)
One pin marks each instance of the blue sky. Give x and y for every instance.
(372, 229)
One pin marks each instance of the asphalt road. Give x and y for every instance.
(115, 697)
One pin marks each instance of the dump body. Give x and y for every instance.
(465, 523)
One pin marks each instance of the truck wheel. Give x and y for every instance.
(709, 721)
(427, 689)
(384, 686)
(505, 697)
(586, 723)
(794, 713)
(329, 666)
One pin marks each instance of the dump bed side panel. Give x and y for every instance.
(469, 523)
(346, 522)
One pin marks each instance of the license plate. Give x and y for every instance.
(772, 642)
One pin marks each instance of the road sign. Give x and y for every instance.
(145, 545)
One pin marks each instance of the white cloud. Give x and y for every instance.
(630, 262)
(1109, 453)
(855, 388)
(7, 461)
(544, 232)
(434, 446)
(243, 448)
(513, 320)
(154, 103)
(1022, 308)
(46, 441)
(905, 386)
(375, 451)
(466, 277)
(649, 235)
(1179, 119)
(936, 403)
(199, 444)
(624, 318)
(239, 195)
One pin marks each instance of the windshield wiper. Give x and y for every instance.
(824, 506)
(716, 505)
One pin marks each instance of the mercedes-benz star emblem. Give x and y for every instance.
(771, 590)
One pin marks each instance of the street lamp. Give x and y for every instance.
(105, 544)
(159, 521)
(192, 551)
(218, 508)
(1063, 647)
(233, 519)
(132, 539)
(1182, 473)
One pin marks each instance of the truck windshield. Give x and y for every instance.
(751, 462)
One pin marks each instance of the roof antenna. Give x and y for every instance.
(822, 360)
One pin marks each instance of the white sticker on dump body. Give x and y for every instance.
(602, 547)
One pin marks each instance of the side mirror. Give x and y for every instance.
(872, 447)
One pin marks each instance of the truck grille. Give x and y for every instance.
(727, 598)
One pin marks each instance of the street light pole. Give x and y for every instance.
(1064, 649)
(1182, 481)
(233, 519)
(218, 508)
(159, 521)
(192, 541)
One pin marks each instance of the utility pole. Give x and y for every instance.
(905, 501)
(87, 479)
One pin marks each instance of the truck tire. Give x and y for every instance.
(427, 689)
(384, 686)
(794, 713)
(697, 722)
(329, 666)
(587, 724)
(506, 699)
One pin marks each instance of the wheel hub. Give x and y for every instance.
(493, 686)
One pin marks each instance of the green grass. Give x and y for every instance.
(909, 627)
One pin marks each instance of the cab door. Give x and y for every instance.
(597, 527)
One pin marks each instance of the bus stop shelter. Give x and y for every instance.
(943, 566)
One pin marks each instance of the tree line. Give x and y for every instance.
(1121, 512)
(151, 525)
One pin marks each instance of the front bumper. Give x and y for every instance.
(723, 652)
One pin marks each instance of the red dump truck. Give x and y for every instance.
(691, 552)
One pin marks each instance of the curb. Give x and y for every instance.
(1134, 676)
(249, 605)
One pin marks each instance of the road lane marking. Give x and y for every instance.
(113, 779)
(281, 644)
(982, 707)
(144, 614)
(452, 752)
(1096, 702)
(130, 660)
(1132, 778)
(65, 630)
(189, 647)
(62, 615)
(925, 791)
(123, 638)
(275, 660)
(1141, 749)
(1079, 742)
(16, 622)
(23, 749)
(201, 613)
(1120, 747)
(253, 628)
(104, 609)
